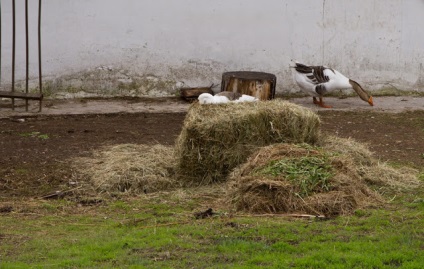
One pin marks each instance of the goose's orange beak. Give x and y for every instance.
(370, 101)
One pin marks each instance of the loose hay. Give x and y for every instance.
(217, 138)
(351, 166)
(130, 168)
(385, 177)
(375, 173)
(359, 152)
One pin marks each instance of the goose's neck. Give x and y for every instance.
(361, 92)
(355, 85)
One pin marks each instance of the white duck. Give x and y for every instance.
(207, 98)
(246, 98)
(237, 97)
(225, 97)
(318, 80)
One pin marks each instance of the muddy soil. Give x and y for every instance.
(35, 149)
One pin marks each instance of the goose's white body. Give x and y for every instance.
(336, 81)
(319, 80)
(206, 98)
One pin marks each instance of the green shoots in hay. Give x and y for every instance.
(309, 173)
(217, 138)
(288, 178)
(336, 178)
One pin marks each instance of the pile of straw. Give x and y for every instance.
(352, 169)
(335, 176)
(217, 138)
(379, 175)
(130, 168)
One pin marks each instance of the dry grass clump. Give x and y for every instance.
(385, 177)
(288, 178)
(375, 173)
(217, 138)
(359, 152)
(130, 168)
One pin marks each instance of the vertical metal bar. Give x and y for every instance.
(27, 53)
(13, 52)
(0, 44)
(39, 53)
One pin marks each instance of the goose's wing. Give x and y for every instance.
(316, 75)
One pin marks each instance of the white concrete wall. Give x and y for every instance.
(155, 46)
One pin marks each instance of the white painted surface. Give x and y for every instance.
(141, 44)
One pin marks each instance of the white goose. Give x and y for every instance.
(318, 80)
(225, 97)
(207, 98)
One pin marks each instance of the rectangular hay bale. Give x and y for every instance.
(217, 138)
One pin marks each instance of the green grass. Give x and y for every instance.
(310, 173)
(160, 231)
(35, 134)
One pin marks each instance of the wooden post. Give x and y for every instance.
(258, 84)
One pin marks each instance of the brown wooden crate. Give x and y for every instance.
(192, 93)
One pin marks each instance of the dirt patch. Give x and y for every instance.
(35, 153)
(395, 137)
(36, 149)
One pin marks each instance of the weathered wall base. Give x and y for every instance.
(108, 81)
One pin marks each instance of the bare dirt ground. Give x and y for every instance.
(35, 148)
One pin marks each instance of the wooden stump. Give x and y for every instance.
(258, 84)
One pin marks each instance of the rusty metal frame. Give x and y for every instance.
(0, 42)
(13, 50)
(40, 81)
(23, 95)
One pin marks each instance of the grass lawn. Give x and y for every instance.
(160, 231)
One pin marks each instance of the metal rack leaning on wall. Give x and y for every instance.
(26, 95)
